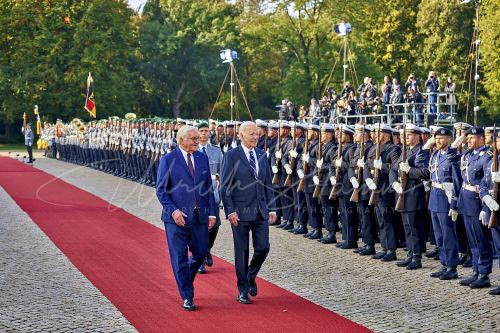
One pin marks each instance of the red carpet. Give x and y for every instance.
(126, 259)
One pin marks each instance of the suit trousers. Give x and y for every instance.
(368, 226)
(386, 223)
(480, 244)
(246, 273)
(195, 238)
(349, 220)
(446, 238)
(413, 223)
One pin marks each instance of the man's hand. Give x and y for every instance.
(274, 168)
(300, 173)
(371, 184)
(491, 203)
(454, 214)
(272, 217)
(338, 162)
(482, 218)
(178, 218)
(233, 218)
(495, 177)
(458, 141)
(397, 187)
(319, 163)
(305, 158)
(293, 153)
(316, 180)
(405, 167)
(377, 164)
(361, 163)
(354, 182)
(277, 154)
(430, 143)
(211, 222)
(288, 169)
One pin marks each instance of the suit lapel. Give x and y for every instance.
(183, 161)
(243, 158)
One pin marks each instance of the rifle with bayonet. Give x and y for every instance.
(493, 223)
(333, 192)
(302, 182)
(276, 177)
(288, 180)
(359, 170)
(317, 189)
(403, 176)
(376, 176)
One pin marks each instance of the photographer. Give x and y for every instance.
(396, 98)
(346, 90)
(412, 82)
(386, 90)
(414, 98)
(326, 108)
(431, 87)
(451, 101)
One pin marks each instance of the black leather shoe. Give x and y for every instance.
(188, 304)
(462, 259)
(494, 291)
(390, 256)
(243, 298)
(209, 260)
(450, 274)
(357, 250)
(483, 281)
(404, 263)
(468, 262)
(328, 239)
(317, 234)
(367, 251)
(282, 225)
(432, 253)
(414, 264)
(379, 255)
(288, 226)
(347, 246)
(302, 230)
(252, 288)
(202, 270)
(339, 245)
(439, 273)
(309, 234)
(467, 281)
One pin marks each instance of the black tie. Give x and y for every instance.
(252, 164)
(204, 150)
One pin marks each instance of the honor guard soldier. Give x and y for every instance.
(446, 182)
(490, 183)
(305, 171)
(475, 164)
(407, 176)
(321, 178)
(361, 192)
(488, 136)
(379, 161)
(262, 128)
(342, 188)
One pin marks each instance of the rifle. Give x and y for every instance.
(403, 176)
(302, 182)
(494, 167)
(288, 180)
(333, 192)
(317, 189)
(359, 171)
(224, 146)
(376, 177)
(276, 177)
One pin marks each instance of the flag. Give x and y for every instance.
(89, 101)
(38, 124)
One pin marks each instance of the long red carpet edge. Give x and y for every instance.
(126, 259)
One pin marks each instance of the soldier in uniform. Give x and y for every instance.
(476, 161)
(215, 161)
(413, 195)
(262, 128)
(29, 137)
(384, 205)
(446, 182)
(490, 206)
(364, 212)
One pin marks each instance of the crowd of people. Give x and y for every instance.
(354, 186)
(390, 101)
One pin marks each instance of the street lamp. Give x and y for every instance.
(343, 29)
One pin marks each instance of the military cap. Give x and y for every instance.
(461, 126)
(202, 124)
(285, 124)
(327, 127)
(314, 127)
(229, 124)
(302, 125)
(489, 130)
(425, 130)
(361, 127)
(273, 125)
(411, 128)
(261, 123)
(442, 131)
(347, 129)
(475, 131)
(382, 127)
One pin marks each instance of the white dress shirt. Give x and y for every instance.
(185, 155)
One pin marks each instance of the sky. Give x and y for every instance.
(135, 3)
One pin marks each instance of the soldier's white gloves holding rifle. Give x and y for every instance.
(490, 202)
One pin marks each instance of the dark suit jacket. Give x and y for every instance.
(176, 188)
(241, 192)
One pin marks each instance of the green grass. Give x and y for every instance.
(11, 147)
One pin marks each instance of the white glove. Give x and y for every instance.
(448, 190)
(275, 169)
(397, 187)
(333, 180)
(429, 143)
(288, 169)
(319, 163)
(454, 214)
(267, 152)
(338, 163)
(300, 173)
(427, 188)
(458, 141)
(277, 154)
(490, 202)
(354, 182)
(293, 153)
(404, 167)
(234, 144)
(482, 218)
(495, 176)
(305, 158)
(214, 177)
(377, 164)
(361, 162)
(371, 185)
(316, 180)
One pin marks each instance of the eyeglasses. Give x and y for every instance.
(195, 138)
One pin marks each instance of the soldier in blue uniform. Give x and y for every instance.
(413, 210)
(262, 128)
(469, 205)
(29, 137)
(446, 182)
(489, 203)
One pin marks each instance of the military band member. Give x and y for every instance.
(446, 182)
(469, 204)
(412, 172)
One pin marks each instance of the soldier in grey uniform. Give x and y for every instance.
(29, 137)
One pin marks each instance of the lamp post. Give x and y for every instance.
(477, 42)
(228, 56)
(343, 29)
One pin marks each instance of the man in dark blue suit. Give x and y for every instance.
(184, 189)
(247, 194)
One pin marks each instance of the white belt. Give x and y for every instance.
(437, 185)
(472, 188)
